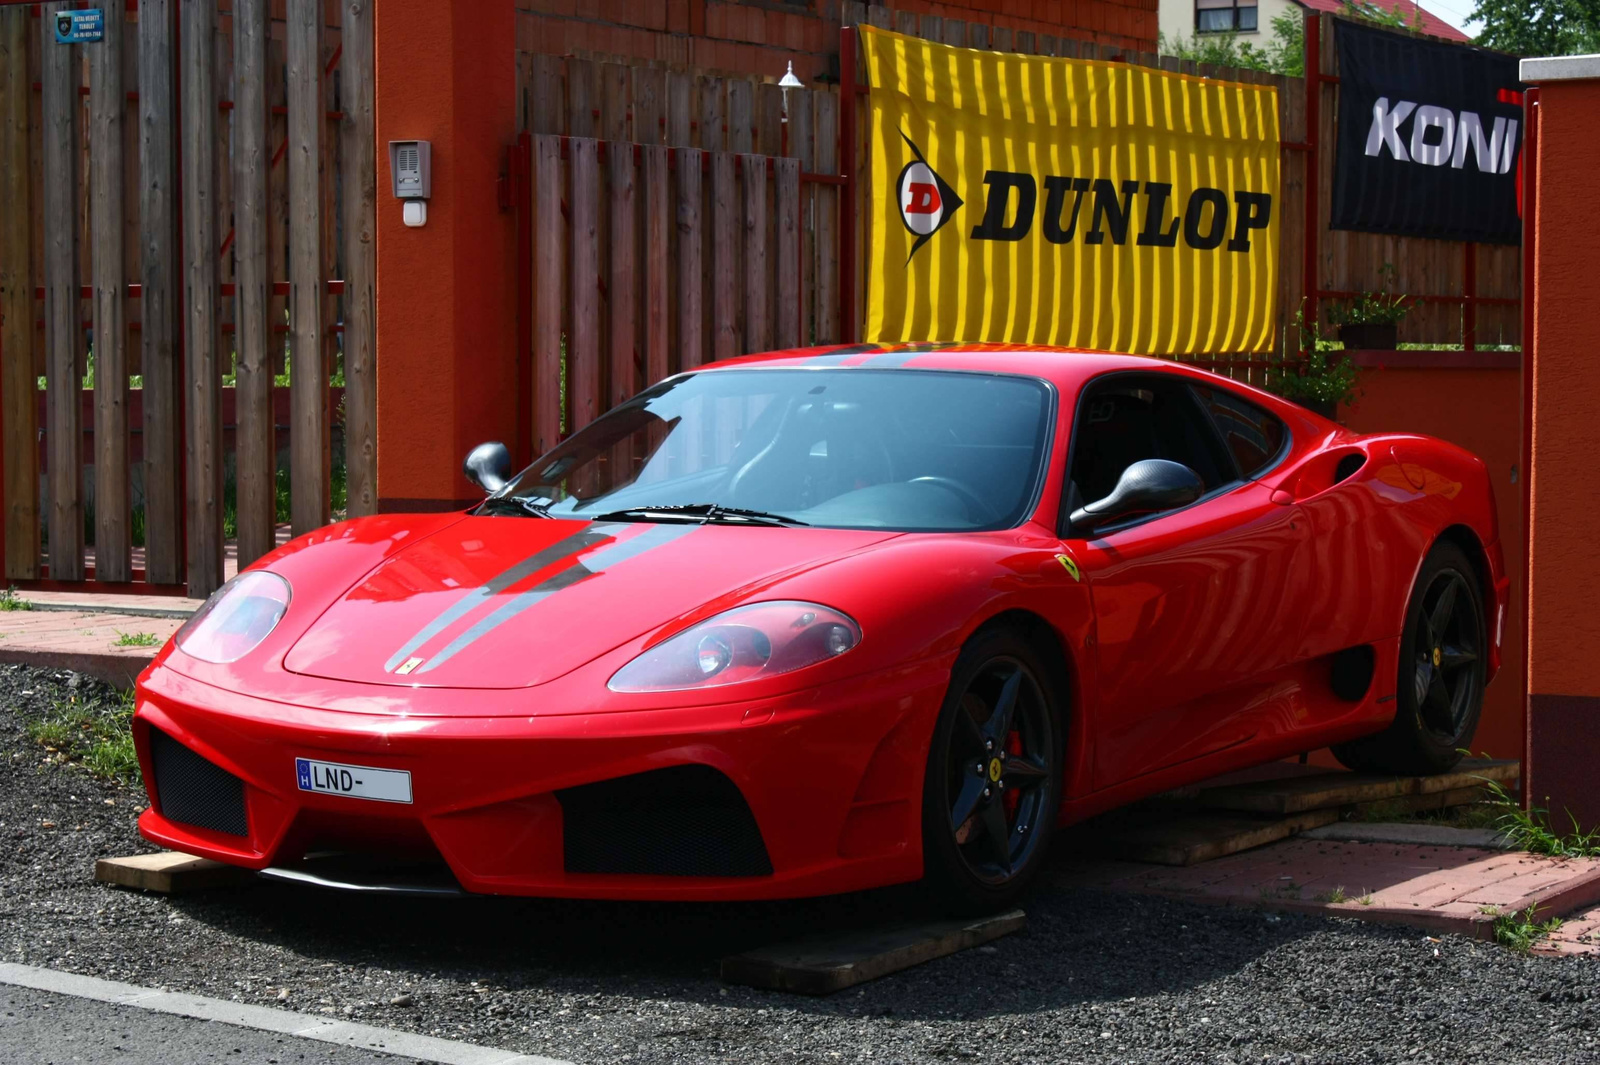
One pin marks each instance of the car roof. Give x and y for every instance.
(1067, 368)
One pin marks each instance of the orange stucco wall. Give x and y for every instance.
(1564, 644)
(1564, 501)
(1481, 411)
(447, 314)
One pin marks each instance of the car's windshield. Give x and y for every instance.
(856, 448)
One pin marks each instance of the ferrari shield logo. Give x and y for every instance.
(1070, 566)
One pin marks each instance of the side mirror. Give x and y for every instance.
(1145, 486)
(488, 466)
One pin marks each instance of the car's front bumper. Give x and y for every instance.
(832, 777)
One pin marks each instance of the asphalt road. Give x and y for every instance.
(40, 1028)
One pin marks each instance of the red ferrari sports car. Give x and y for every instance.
(830, 619)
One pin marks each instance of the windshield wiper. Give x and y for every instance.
(699, 513)
(520, 505)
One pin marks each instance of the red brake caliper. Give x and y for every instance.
(1012, 795)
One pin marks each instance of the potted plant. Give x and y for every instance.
(1320, 377)
(1372, 321)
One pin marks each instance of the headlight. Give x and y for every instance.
(747, 643)
(236, 618)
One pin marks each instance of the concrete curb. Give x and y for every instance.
(422, 1048)
(118, 669)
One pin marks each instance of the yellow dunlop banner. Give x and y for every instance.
(1067, 202)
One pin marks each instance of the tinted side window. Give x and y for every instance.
(1253, 436)
(1126, 418)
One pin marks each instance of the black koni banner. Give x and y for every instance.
(1429, 139)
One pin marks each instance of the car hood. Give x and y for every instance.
(502, 602)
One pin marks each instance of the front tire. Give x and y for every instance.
(1443, 666)
(993, 783)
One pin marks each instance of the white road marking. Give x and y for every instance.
(262, 1019)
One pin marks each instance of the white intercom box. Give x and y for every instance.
(411, 168)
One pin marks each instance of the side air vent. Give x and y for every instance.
(1352, 673)
(1348, 466)
(193, 791)
(687, 820)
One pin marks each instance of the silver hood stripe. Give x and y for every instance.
(602, 560)
(556, 552)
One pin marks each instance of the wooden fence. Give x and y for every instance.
(671, 217)
(184, 193)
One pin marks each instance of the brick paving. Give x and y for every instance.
(82, 641)
(1442, 888)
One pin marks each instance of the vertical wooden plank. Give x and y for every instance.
(62, 114)
(202, 388)
(852, 12)
(712, 120)
(649, 105)
(741, 103)
(614, 123)
(931, 28)
(1026, 42)
(328, 242)
(222, 81)
(955, 32)
(308, 383)
(724, 203)
(768, 132)
(159, 296)
(546, 100)
(977, 35)
(906, 22)
(656, 262)
(757, 332)
(680, 109)
(20, 410)
(278, 198)
(549, 283)
(878, 15)
(827, 151)
(1003, 39)
(130, 191)
(580, 98)
(107, 100)
(691, 239)
(801, 111)
(360, 179)
(254, 459)
(623, 268)
(786, 199)
(583, 344)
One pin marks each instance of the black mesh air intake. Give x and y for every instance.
(193, 791)
(688, 820)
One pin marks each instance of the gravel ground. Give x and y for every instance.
(1095, 977)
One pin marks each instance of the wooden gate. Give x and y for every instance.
(180, 198)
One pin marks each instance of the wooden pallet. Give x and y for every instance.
(1211, 822)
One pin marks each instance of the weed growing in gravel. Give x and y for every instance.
(137, 639)
(96, 734)
(1366, 898)
(1335, 896)
(10, 600)
(1519, 931)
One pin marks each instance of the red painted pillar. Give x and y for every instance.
(1563, 438)
(446, 292)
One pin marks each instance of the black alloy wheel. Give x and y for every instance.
(994, 776)
(1443, 670)
(1447, 680)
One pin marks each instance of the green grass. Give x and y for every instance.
(1335, 896)
(1519, 931)
(95, 735)
(137, 639)
(10, 600)
(1481, 814)
(1530, 830)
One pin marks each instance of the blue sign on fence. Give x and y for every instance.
(80, 27)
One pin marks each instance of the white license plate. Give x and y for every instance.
(352, 781)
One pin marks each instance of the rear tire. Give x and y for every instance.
(1443, 665)
(993, 784)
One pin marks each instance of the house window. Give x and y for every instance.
(1225, 16)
